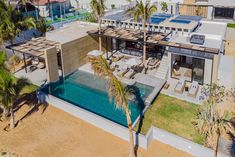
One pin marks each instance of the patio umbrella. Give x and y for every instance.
(133, 61)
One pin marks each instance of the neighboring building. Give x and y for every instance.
(110, 4)
(172, 6)
(53, 8)
(210, 9)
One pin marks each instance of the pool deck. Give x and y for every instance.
(145, 79)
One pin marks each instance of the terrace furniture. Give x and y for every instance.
(35, 62)
(41, 65)
(122, 72)
(193, 89)
(31, 68)
(153, 61)
(166, 86)
(176, 73)
(130, 74)
(179, 88)
(138, 68)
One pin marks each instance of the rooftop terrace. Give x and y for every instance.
(70, 32)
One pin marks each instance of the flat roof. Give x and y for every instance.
(212, 28)
(130, 34)
(209, 42)
(222, 3)
(35, 47)
(71, 31)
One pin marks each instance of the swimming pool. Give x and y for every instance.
(89, 92)
(181, 21)
(158, 18)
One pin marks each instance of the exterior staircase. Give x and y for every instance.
(163, 68)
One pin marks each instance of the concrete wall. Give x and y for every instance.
(207, 71)
(51, 64)
(74, 53)
(123, 133)
(193, 10)
(226, 72)
(215, 68)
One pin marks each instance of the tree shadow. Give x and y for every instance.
(138, 100)
(30, 100)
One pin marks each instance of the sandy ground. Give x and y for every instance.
(230, 48)
(55, 133)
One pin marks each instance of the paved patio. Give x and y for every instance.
(37, 77)
(184, 96)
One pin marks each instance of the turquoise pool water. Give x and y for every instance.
(90, 92)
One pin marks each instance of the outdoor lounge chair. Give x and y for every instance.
(122, 72)
(130, 74)
(179, 88)
(41, 65)
(152, 61)
(35, 62)
(176, 73)
(193, 89)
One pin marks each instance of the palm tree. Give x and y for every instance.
(212, 124)
(143, 11)
(24, 3)
(164, 7)
(116, 91)
(98, 8)
(10, 90)
(12, 22)
(42, 26)
(2, 60)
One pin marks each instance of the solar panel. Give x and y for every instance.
(197, 39)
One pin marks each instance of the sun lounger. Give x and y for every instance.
(193, 89)
(122, 72)
(179, 88)
(35, 62)
(153, 62)
(176, 73)
(130, 74)
(41, 65)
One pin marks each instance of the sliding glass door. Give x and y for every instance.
(198, 70)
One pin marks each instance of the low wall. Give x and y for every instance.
(122, 132)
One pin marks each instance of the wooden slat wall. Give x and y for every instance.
(74, 53)
(193, 10)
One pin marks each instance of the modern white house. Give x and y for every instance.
(193, 48)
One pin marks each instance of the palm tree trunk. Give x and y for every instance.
(144, 46)
(5, 113)
(12, 121)
(100, 45)
(25, 9)
(216, 145)
(129, 123)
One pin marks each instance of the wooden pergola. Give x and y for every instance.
(157, 38)
(130, 34)
(35, 47)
